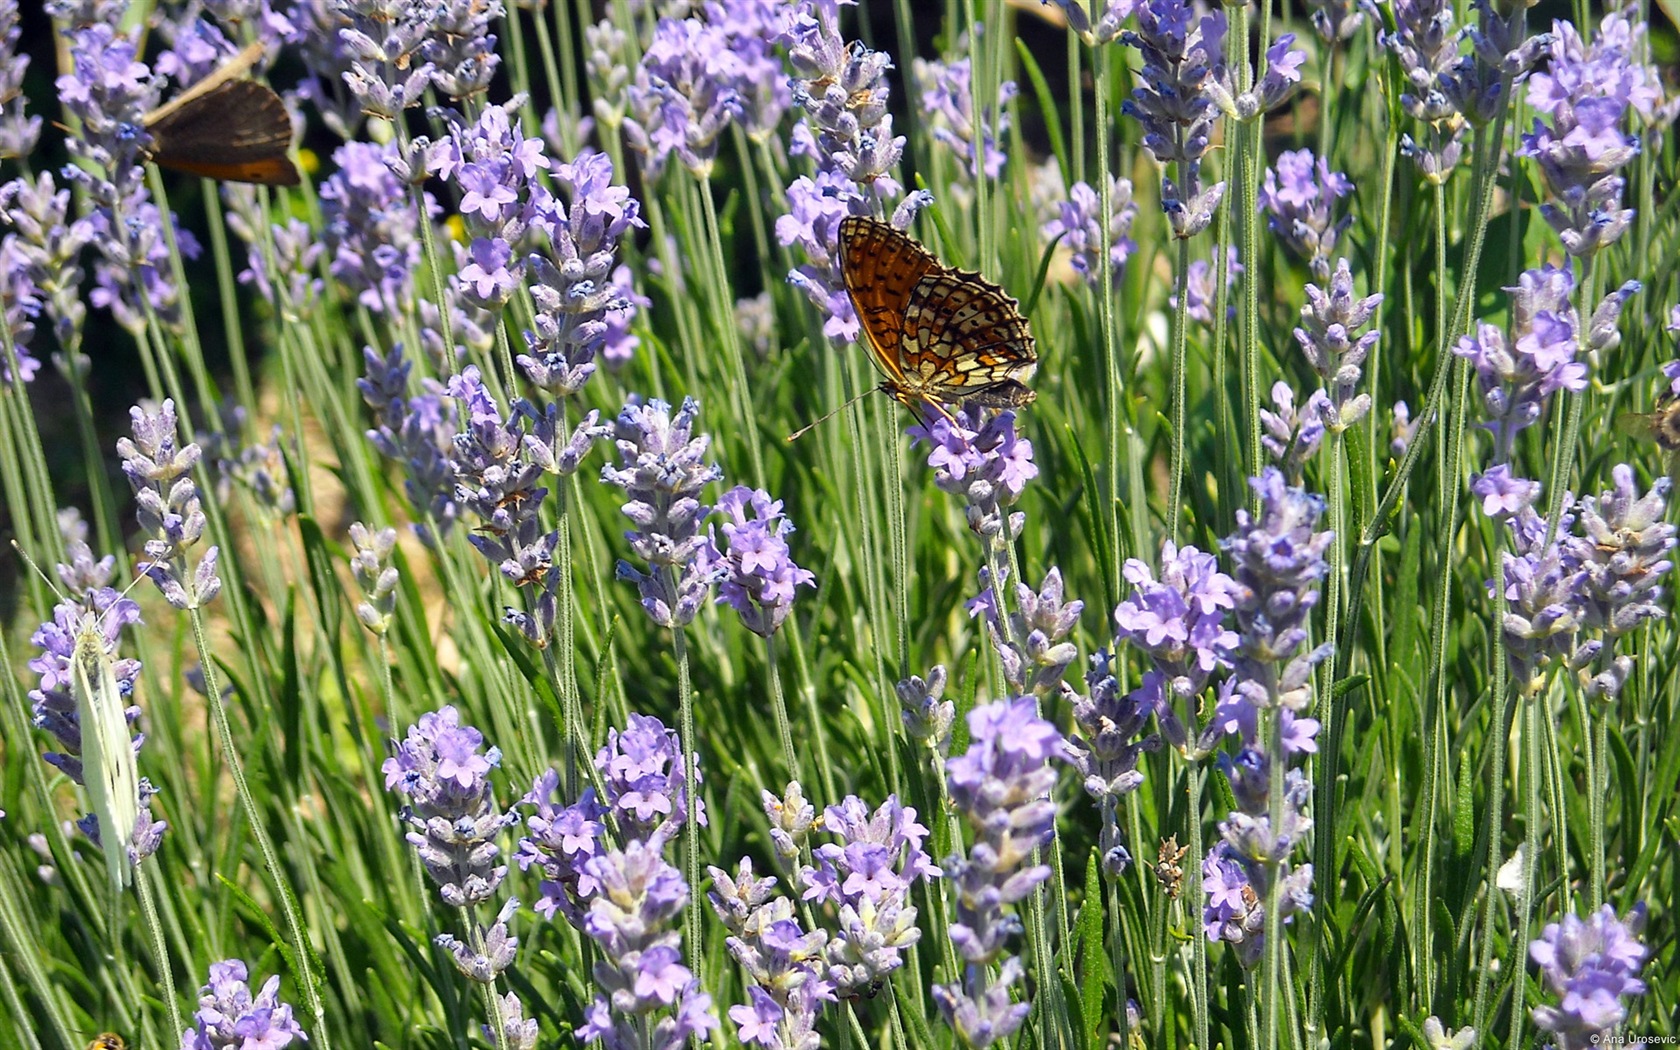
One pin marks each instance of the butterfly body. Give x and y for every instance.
(938, 335)
(1661, 427)
(108, 1041)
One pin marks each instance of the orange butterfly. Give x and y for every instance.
(938, 334)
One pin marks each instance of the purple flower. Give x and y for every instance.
(1079, 223)
(1001, 785)
(1502, 493)
(947, 98)
(760, 575)
(1427, 47)
(580, 290)
(451, 805)
(1517, 377)
(562, 841)
(229, 1017)
(1200, 289)
(1544, 589)
(982, 460)
(927, 714)
(1329, 338)
(1105, 28)
(643, 770)
(44, 250)
(167, 507)
(1178, 622)
(1298, 197)
(1235, 911)
(784, 962)
(1337, 20)
(1183, 60)
(647, 998)
(369, 227)
(1623, 554)
(259, 467)
(1592, 966)
(1110, 742)
(1402, 429)
(684, 95)
(381, 41)
(18, 131)
(1032, 642)
(660, 469)
(460, 48)
(418, 432)
(1580, 145)
(866, 877)
(1293, 438)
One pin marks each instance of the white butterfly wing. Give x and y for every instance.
(108, 767)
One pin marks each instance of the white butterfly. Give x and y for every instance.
(109, 771)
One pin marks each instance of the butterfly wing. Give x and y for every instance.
(238, 131)
(108, 767)
(965, 340)
(880, 267)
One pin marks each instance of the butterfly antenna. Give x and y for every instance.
(830, 414)
(39, 571)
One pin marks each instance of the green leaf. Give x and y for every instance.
(1093, 958)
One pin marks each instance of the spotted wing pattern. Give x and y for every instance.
(880, 267)
(939, 335)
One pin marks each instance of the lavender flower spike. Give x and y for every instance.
(761, 577)
(1592, 966)
(451, 805)
(1002, 787)
(1298, 198)
(649, 1000)
(159, 470)
(229, 1017)
(660, 469)
(1183, 58)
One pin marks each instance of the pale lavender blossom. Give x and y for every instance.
(784, 962)
(1001, 786)
(1031, 642)
(230, 1017)
(1584, 97)
(646, 999)
(1079, 223)
(866, 877)
(1178, 622)
(684, 96)
(947, 99)
(1109, 743)
(1330, 339)
(450, 805)
(1544, 586)
(1292, 438)
(1402, 429)
(1235, 911)
(18, 131)
(369, 227)
(382, 42)
(927, 715)
(159, 470)
(375, 575)
(418, 431)
(1299, 199)
(1201, 288)
(1592, 968)
(1625, 551)
(562, 840)
(985, 461)
(1518, 375)
(661, 471)
(642, 767)
(1183, 60)
(760, 576)
(1101, 29)
(46, 251)
(1426, 44)
(460, 48)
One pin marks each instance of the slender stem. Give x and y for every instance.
(1180, 326)
(778, 705)
(160, 949)
(303, 953)
(691, 791)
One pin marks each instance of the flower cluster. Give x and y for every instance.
(982, 460)
(650, 998)
(926, 713)
(451, 805)
(760, 576)
(867, 876)
(785, 963)
(1278, 561)
(684, 96)
(18, 130)
(375, 575)
(159, 470)
(1001, 786)
(418, 431)
(1032, 641)
(381, 42)
(369, 229)
(1110, 742)
(229, 1017)
(1183, 57)
(42, 256)
(258, 467)
(1578, 142)
(1592, 966)
(946, 90)
(1427, 47)
(1330, 340)
(1298, 198)
(584, 300)
(642, 766)
(460, 47)
(503, 206)
(562, 841)
(661, 470)
(1105, 27)
(1078, 222)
